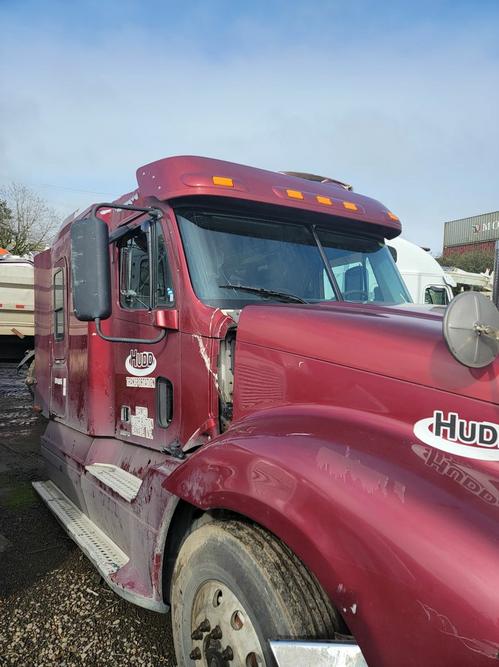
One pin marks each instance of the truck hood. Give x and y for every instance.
(403, 342)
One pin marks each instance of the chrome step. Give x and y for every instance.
(95, 544)
(122, 482)
(317, 654)
(102, 552)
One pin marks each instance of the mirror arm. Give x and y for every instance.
(156, 213)
(140, 341)
(485, 330)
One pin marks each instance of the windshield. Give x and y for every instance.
(235, 260)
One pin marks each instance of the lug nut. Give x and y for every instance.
(195, 654)
(216, 633)
(204, 626)
(228, 654)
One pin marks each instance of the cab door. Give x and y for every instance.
(59, 366)
(147, 376)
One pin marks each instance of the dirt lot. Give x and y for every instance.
(54, 609)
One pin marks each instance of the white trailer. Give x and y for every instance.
(17, 325)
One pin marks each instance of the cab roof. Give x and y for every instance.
(175, 177)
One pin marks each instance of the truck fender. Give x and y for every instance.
(343, 490)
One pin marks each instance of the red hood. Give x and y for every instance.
(403, 342)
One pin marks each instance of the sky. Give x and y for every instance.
(400, 99)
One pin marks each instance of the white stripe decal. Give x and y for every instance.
(423, 432)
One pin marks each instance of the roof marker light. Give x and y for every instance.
(294, 194)
(324, 200)
(223, 180)
(392, 216)
(350, 205)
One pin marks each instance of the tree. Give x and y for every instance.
(5, 218)
(27, 222)
(475, 261)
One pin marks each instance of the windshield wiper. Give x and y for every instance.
(283, 296)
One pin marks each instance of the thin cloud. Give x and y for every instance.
(408, 117)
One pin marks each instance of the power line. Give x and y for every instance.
(63, 187)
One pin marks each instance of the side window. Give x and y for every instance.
(436, 295)
(329, 295)
(164, 293)
(135, 272)
(59, 304)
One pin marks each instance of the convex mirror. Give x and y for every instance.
(471, 329)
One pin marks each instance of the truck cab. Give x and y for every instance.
(243, 406)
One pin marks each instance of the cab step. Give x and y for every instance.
(318, 654)
(118, 480)
(102, 552)
(106, 556)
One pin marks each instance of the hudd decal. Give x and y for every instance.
(450, 433)
(140, 363)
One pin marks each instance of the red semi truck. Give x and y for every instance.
(250, 423)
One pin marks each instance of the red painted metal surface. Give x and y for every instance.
(183, 176)
(321, 449)
(323, 454)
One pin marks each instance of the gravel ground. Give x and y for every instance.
(54, 608)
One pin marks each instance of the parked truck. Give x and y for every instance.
(425, 279)
(251, 424)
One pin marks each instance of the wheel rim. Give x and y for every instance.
(222, 634)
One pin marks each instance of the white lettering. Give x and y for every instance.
(144, 383)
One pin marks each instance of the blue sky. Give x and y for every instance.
(399, 99)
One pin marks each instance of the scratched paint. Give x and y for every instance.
(205, 357)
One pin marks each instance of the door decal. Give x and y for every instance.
(140, 363)
(143, 383)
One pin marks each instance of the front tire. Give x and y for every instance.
(234, 587)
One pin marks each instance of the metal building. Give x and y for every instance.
(477, 232)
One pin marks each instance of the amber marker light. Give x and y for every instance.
(223, 180)
(392, 216)
(294, 194)
(350, 205)
(324, 200)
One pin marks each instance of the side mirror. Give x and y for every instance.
(471, 329)
(90, 268)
